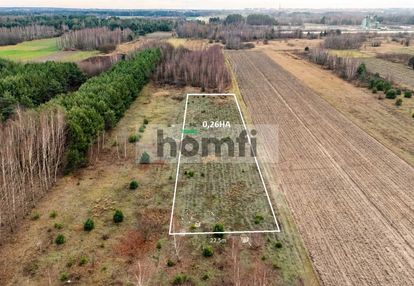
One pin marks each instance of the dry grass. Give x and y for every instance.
(288, 45)
(188, 43)
(138, 248)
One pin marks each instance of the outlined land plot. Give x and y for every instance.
(218, 177)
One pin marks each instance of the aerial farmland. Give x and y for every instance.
(220, 146)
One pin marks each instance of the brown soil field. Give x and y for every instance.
(392, 126)
(350, 196)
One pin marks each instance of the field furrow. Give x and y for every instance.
(350, 196)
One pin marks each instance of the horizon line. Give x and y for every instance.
(203, 9)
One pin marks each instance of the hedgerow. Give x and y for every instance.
(101, 102)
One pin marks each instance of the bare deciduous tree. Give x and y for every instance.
(94, 39)
(203, 68)
(31, 153)
(15, 35)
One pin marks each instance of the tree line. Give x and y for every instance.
(252, 19)
(78, 22)
(14, 30)
(345, 67)
(15, 35)
(203, 68)
(344, 41)
(32, 84)
(233, 36)
(31, 153)
(101, 101)
(102, 39)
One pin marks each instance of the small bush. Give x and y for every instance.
(361, 70)
(408, 94)
(379, 86)
(208, 251)
(60, 239)
(387, 86)
(181, 279)
(170, 263)
(58, 225)
(218, 228)
(35, 216)
(391, 94)
(374, 90)
(398, 102)
(83, 260)
(258, 219)
(88, 225)
(146, 121)
(118, 216)
(133, 185)
(398, 91)
(53, 214)
(306, 49)
(141, 129)
(159, 245)
(278, 244)
(145, 158)
(133, 138)
(189, 174)
(64, 276)
(205, 276)
(71, 261)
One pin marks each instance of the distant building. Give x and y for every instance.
(370, 22)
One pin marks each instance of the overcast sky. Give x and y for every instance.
(209, 4)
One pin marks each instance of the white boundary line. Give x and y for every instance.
(178, 165)
(257, 164)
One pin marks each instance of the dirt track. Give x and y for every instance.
(351, 197)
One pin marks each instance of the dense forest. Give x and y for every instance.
(102, 100)
(31, 154)
(15, 35)
(102, 39)
(14, 30)
(32, 84)
(104, 12)
(203, 68)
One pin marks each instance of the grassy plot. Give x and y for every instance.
(216, 187)
(42, 50)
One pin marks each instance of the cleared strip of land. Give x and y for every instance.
(351, 196)
(218, 187)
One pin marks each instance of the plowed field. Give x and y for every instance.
(350, 196)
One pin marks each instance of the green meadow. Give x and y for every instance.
(42, 50)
